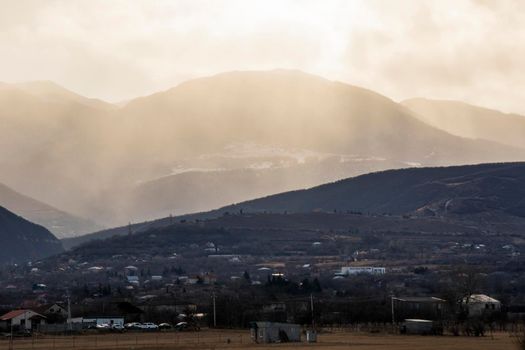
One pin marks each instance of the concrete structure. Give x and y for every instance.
(354, 270)
(419, 326)
(479, 304)
(24, 319)
(272, 332)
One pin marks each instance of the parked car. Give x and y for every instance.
(133, 325)
(103, 326)
(165, 326)
(181, 326)
(149, 326)
(118, 328)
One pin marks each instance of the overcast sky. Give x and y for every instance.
(466, 50)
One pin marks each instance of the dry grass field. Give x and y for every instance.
(241, 340)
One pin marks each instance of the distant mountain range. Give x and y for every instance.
(24, 241)
(49, 91)
(474, 122)
(60, 223)
(213, 141)
(480, 195)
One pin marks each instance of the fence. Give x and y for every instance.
(153, 340)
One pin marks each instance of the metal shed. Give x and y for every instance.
(273, 332)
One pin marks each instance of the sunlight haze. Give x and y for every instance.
(118, 50)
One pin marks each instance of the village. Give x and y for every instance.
(193, 278)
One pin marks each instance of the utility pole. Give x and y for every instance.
(68, 311)
(312, 308)
(393, 315)
(214, 312)
(11, 336)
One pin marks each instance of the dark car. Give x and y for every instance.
(165, 326)
(181, 326)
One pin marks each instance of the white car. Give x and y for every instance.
(133, 325)
(118, 327)
(103, 326)
(149, 326)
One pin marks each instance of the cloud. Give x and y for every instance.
(469, 50)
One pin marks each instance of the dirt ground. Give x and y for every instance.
(228, 339)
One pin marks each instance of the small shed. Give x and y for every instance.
(421, 327)
(273, 332)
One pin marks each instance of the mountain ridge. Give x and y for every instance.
(53, 147)
(457, 193)
(467, 120)
(59, 222)
(23, 240)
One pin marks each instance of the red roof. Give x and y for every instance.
(15, 313)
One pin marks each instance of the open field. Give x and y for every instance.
(241, 340)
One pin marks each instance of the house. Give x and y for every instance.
(53, 312)
(133, 279)
(51, 309)
(355, 270)
(209, 278)
(273, 332)
(23, 319)
(480, 304)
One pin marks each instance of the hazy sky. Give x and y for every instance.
(467, 50)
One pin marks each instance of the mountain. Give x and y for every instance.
(49, 145)
(343, 128)
(294, 109)
(491, 191)
(60, 223)
(52, 92)
(479, 195)
(212, 141)
(474, 122)
(182, 193)
(24, 241)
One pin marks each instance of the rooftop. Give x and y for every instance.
(15, 313)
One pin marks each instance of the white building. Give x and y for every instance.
(21, 319)
(354, 270)
(111, 320)
(479, 304)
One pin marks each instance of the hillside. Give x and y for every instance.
(484, 194)
(465, 120)
(24, 241)
(184, 192)
(488, 190)
(60, 223)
